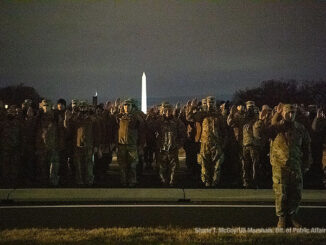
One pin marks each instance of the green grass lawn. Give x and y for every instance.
(153, 236)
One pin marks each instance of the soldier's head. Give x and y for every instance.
(162, 106)
(74, 103)
(26, 104)
(83, 106)
(250, 105)
(250, 108)
(61, 104)
(167, 110)
(45, 105)
(266, 107)
(11, 112)
(128, 105)
(210, 103)
(107, 105)
(289, 112)
(204, 104)
(241, 108)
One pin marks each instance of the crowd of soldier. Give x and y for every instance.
(53, 145)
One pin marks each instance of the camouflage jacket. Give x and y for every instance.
(248, 129)
(319, 127)
(171, 133)
(213, 127)
(290, 145)
(131, 130)
(10, 136)
(46, 132)
(84, 131)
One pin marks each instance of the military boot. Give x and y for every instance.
(295, 222)
(281, 222)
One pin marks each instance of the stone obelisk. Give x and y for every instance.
(143, 94)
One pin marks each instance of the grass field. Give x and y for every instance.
(155, 236)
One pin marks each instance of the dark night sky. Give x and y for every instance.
(73, 48)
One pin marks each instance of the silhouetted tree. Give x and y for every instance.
(272, 92)
(15, 95)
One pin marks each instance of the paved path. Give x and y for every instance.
(153, 215)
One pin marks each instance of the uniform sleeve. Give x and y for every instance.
(306, 150)
(181, 133)
(141, 132)
(233, 120)
(192, 116)
(318, 125)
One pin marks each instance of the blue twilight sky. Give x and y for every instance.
(72, 48)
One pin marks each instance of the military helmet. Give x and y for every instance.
(265, 107)
(28, 102)
(45, 102)
(166, 105)
(83, 103)
(250, 103)
(12, 110)
(289, 107)
(62, 101)
(129, 101)
(74, 102)
(210, 99)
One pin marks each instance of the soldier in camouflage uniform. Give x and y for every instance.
(170, 133)
(108, 128)
(319, 127)
(47, 168)
(150, 149)
(211, 154)
(10, 143)
(86, 139)
(28, 144)
(290, 157)
(63, 148)
(248, 124)
(131, 137)
(192, 141)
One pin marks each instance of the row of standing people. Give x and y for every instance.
(43, 145)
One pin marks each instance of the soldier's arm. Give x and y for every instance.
(234, 120)
(306, 150)
(258, 129)
(193, 115)
(97, 136)
(318, 124)
(141, 132)
(181, 133)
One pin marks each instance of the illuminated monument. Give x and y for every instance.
(143, 94)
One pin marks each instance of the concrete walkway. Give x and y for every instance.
(151, 195)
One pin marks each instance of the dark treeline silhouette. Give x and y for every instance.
(272, 92)
(15, 95)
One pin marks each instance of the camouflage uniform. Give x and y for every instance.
(28, 145)
(107, 127)
(290, 155)
(211, 154)
(171, 133)
(47, 168)
(130, 138)
(85, 140)
(192, 144)
(10, 143)
(248, 124)
(149, 149)
(319, 127)
(63, 143)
